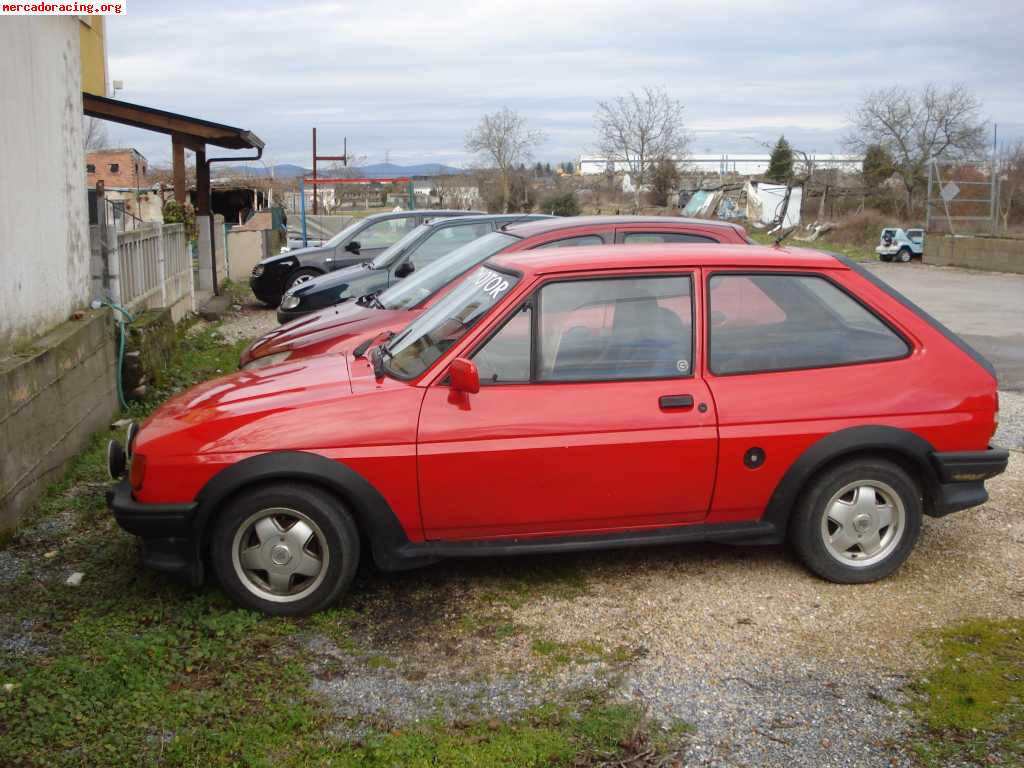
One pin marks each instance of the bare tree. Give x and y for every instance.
(915, 127)
(639, 130)
(504, 140)
(94, 134)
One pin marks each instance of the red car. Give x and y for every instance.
(345, 325)
(555, 401)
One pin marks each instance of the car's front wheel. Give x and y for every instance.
(858, 521)
(285, 549)
(904, 255)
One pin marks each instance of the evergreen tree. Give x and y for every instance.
(878, 166)
(780, 167)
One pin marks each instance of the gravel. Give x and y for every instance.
(771, 665)
(1011, 421)
(249, 322)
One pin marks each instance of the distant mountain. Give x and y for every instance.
(377, 170)
(390, 170)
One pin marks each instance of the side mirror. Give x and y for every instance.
(404, 269)
(353, 247)
(465, 377)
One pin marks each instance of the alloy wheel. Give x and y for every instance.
(863, 523)
(280, 554)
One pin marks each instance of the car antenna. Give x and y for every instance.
(783, 236)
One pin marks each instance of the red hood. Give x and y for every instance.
(201, 418)
(328, 330)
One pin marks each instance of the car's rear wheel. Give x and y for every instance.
(285, 549)
(858, 521)
(300, 276)
(904, 255)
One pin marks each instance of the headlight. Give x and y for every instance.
(290, 301)
(263, 362)
(257, 270)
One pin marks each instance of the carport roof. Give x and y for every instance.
(192, 128)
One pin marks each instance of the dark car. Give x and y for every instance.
(424, 245)
(358, 242)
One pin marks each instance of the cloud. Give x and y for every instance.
(409, 78)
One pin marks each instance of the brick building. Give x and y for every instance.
(116, 168)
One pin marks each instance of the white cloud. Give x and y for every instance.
(411, 77)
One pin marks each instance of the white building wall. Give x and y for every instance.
(44, 224)
(741, 164)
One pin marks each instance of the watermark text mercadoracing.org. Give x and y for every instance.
(62, 9)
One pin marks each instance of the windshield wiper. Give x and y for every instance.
(360, 350)
(377, 358)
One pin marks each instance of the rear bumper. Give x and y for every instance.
(166, 532)
(962, 476)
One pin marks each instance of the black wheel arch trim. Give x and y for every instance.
(848, 442)
(373, 514)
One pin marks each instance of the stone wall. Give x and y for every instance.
(53, 396)
(995, 254)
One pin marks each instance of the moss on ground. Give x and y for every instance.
(970, 703)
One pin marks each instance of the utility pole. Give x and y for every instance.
(337, 158)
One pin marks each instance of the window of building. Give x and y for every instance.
(90, 168)
(760, 323)
(115, 168)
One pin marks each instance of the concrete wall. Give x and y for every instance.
(53, 397)
(246, 248)
(44, 226)
(995, 254)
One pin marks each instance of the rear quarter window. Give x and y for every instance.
(762, 323)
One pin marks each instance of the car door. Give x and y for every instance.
(589, 417)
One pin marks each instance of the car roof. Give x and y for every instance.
(530, 229)
(596, 257)
(437, 213)
(469, 219)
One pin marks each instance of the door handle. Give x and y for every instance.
(676, 401)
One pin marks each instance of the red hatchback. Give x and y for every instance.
(346, 324)
(555, 401)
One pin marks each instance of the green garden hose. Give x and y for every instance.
(122, 340)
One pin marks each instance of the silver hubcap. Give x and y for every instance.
(301, 279)
(863, 523)
(280, 554)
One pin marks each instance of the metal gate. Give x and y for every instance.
(955, 202)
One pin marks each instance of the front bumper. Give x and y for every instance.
(166, 532)
(287, 315)
(962, 476)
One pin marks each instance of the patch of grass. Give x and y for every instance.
(544, 737)
(855, 252)
(971, 703)
(515, 584)
(559, 654)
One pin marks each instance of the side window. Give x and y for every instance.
(505, 357)
(445, 240)
(571, 242)
(783, 322)
(638, 238)
(385, 233)
(628, 328)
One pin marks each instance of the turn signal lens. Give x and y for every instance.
(137, 472)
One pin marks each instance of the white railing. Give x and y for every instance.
(155, 269)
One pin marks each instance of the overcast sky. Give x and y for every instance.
(407, 79)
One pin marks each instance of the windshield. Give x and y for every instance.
(385, 257)
(424, 283)
(430, 335)
(334, 241)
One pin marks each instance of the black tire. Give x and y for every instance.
(904, 256)
(300, 275)
(337, 534)
(885, 256)
(805, 527)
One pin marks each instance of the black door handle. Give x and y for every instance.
(676, 401)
